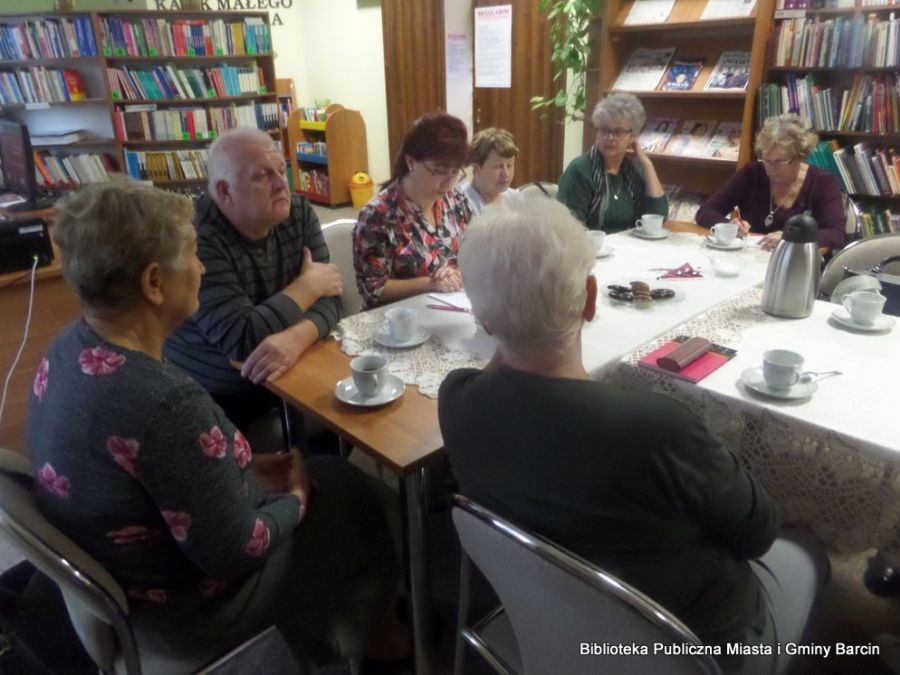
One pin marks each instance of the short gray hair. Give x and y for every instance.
(525, 264)
(620, 106)
(226, 154)
(109, 232)
(787, 131)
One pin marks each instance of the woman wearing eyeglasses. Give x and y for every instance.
(407, 237)
(614, 183)
(779, 185)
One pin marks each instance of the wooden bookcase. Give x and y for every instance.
(344, 133)
(231, 49)
(692, 37)
(795, 70)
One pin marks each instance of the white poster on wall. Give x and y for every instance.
(493, 46)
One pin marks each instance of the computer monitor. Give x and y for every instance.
(17, 165)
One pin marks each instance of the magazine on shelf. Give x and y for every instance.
(726, 142)
(657, 132)
(724, 9)
(682, 74)
(732, 72)
(692, 138)
(649, 11)
(644, 69)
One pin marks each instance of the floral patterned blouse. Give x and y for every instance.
(392, 239)
(137, 464)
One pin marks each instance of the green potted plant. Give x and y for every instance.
(570, 36)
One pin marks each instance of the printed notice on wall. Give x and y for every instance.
(493, 46)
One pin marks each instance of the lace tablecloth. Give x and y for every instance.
(424, 366)
(845, 488)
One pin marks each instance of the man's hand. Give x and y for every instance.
(272, 357)
(324, 279)
(446, 279)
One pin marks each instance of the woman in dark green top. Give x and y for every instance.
(614, 183)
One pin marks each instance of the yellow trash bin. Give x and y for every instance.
(360, 189)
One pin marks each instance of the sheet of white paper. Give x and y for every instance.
(649, 11)
(493, 46)
(458, 299)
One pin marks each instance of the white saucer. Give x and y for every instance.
(882, 323)
(604, 252)
(736, 245)
(753, 378)
(642, 235)
(387, 340)
(393, 389)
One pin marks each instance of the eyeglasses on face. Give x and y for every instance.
(606, 132)
(444, 173)
(775, 163)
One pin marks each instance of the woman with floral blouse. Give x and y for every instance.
(137, 464)
(407, 237)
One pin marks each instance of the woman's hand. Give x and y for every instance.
(446, 279)
(637, 152)
(272, 471)
(770, 241)
(743, 228)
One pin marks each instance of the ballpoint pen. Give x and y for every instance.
(449, 308)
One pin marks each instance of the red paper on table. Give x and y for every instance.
(695, 371)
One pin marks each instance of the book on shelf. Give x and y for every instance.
(649, 11)
(58, 137)
(57, 37)
(657, 132)
(144, 122)
(170, 83)
(692, 138)
(38, 84)
(68, 170)
(149, 36)
(704, 360)
(167, 165)
(732, 71)
(726, 141)
(836, 42)
(644, 69)
(725, 9)
(684, 206)
(682, 74)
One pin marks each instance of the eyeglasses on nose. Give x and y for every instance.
(775, 163)
(444, 173)
(605, 132)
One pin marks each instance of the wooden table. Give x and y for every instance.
(402, 436)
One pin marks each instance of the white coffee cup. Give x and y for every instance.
(369, 374)
(781, 368)
(401, 323)
(599, 238)
(649, 223)
(724, 233)
(864, 306)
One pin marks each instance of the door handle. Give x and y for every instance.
(477, 117)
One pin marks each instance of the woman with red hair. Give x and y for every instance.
(407, 237)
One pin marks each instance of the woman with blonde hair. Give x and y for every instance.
(780, 184)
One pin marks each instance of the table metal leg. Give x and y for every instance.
(417, 569)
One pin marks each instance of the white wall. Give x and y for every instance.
(334, 49)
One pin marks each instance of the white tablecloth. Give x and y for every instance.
(830, 461)
(456, 341)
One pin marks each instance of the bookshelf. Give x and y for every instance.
(839, 68)
(150, 89)
(693, 38)
(335, 150)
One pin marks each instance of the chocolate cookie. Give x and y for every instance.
(662, 293)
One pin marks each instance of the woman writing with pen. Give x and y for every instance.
(765, 193)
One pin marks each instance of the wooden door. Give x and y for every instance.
(540, 140)
(413, 63)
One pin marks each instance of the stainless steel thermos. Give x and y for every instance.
(792, 278)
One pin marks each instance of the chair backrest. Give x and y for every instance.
(338, 237)
(563, 610)
(96, 603)
(540, 187)
(861, 255)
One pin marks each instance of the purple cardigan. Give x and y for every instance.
(749, 190)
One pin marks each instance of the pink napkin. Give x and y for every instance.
(686, 271)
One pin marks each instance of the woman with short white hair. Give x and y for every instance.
(780, 184)
(630, 480)
(614, 183)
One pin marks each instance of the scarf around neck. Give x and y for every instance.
(631, 176)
